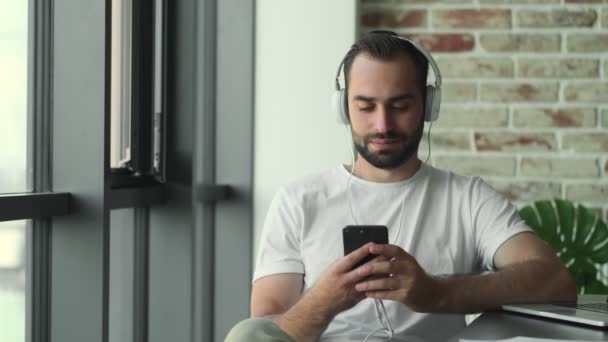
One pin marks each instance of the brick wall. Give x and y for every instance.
(525, 95)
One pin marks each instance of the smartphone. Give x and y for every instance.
(357, 236)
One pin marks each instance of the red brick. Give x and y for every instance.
(554, 117)
(585, 1)
(527, 191)
(409, 2)
(587, 42)
(521, 2)
(444, 42)
(520, 42)
(558, 67)
(458, 92)
(472, 18)
(477, 165)
(521, 142)
(475, 67)
(592, 192)
(519, 91)
(394, 18)
(586, 92)
(562, 167)
(556, 18)
(472, 117)
(585, 142)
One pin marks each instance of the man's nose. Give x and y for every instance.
(383, 120)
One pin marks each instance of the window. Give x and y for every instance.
(137, 90)
(13, 163)
(12, 281)
(13, 96)
(66, 203)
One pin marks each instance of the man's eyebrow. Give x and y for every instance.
(364, 98)
(390, 99)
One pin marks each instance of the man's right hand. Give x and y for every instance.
(305, 318)
(335, 288)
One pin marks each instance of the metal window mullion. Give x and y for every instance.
(40, 92)
(140, 274)
(204, 160)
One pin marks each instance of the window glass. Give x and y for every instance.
(13, 96)
(121, 275)
(12, 281)
(120, 134)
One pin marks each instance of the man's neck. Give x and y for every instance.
(368, 172)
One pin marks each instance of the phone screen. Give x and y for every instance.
(357, 236)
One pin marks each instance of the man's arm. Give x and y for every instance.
(305, 316)
(528, 272)
(275, 294)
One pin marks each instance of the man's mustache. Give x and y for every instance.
(389, 135)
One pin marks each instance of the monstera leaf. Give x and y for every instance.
(578, 237)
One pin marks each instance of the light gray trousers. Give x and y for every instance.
(257, 330)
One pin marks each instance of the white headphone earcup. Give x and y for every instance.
(340, 106)
(432, 102)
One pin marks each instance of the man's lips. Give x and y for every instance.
(384, 142)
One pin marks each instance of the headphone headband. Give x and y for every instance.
(420, 49)
(433, 95)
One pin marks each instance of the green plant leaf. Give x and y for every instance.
(576, 235)
(565, 212)
(600, 234)
(584, 226)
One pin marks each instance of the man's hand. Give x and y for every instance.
(400, 279)
(333, 293)
(335, 288)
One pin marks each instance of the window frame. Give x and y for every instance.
(67, 293)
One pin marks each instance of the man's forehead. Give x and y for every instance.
(366, 66)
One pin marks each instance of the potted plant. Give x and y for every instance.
(578, 236)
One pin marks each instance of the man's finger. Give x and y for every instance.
(348, 262)
(358, 274)
(388, 295)
(390, 251)
(377, 266)
(382, 284)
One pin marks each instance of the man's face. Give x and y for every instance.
(385, 107)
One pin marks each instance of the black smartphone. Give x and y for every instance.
(357, 236)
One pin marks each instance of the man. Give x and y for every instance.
(444, 229)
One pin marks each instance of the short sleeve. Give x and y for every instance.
(494, 219)
(279, 250)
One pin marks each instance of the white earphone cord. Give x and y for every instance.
(385, 323)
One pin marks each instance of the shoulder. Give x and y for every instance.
(461, 187)
(444, 177)
(319, 183)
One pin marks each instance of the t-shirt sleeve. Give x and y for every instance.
(494, 219)
(279, 250)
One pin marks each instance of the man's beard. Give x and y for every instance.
(390, 158)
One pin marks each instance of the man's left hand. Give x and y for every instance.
(400, 279)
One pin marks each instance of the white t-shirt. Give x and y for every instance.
(451, 224)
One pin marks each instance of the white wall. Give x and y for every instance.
(299, 45)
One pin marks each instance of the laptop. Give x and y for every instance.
(589, 310)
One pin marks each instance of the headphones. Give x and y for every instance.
(433, 92)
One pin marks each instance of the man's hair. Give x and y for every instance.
(386, 46)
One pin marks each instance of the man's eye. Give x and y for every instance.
(401, 107)
(366, 109)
